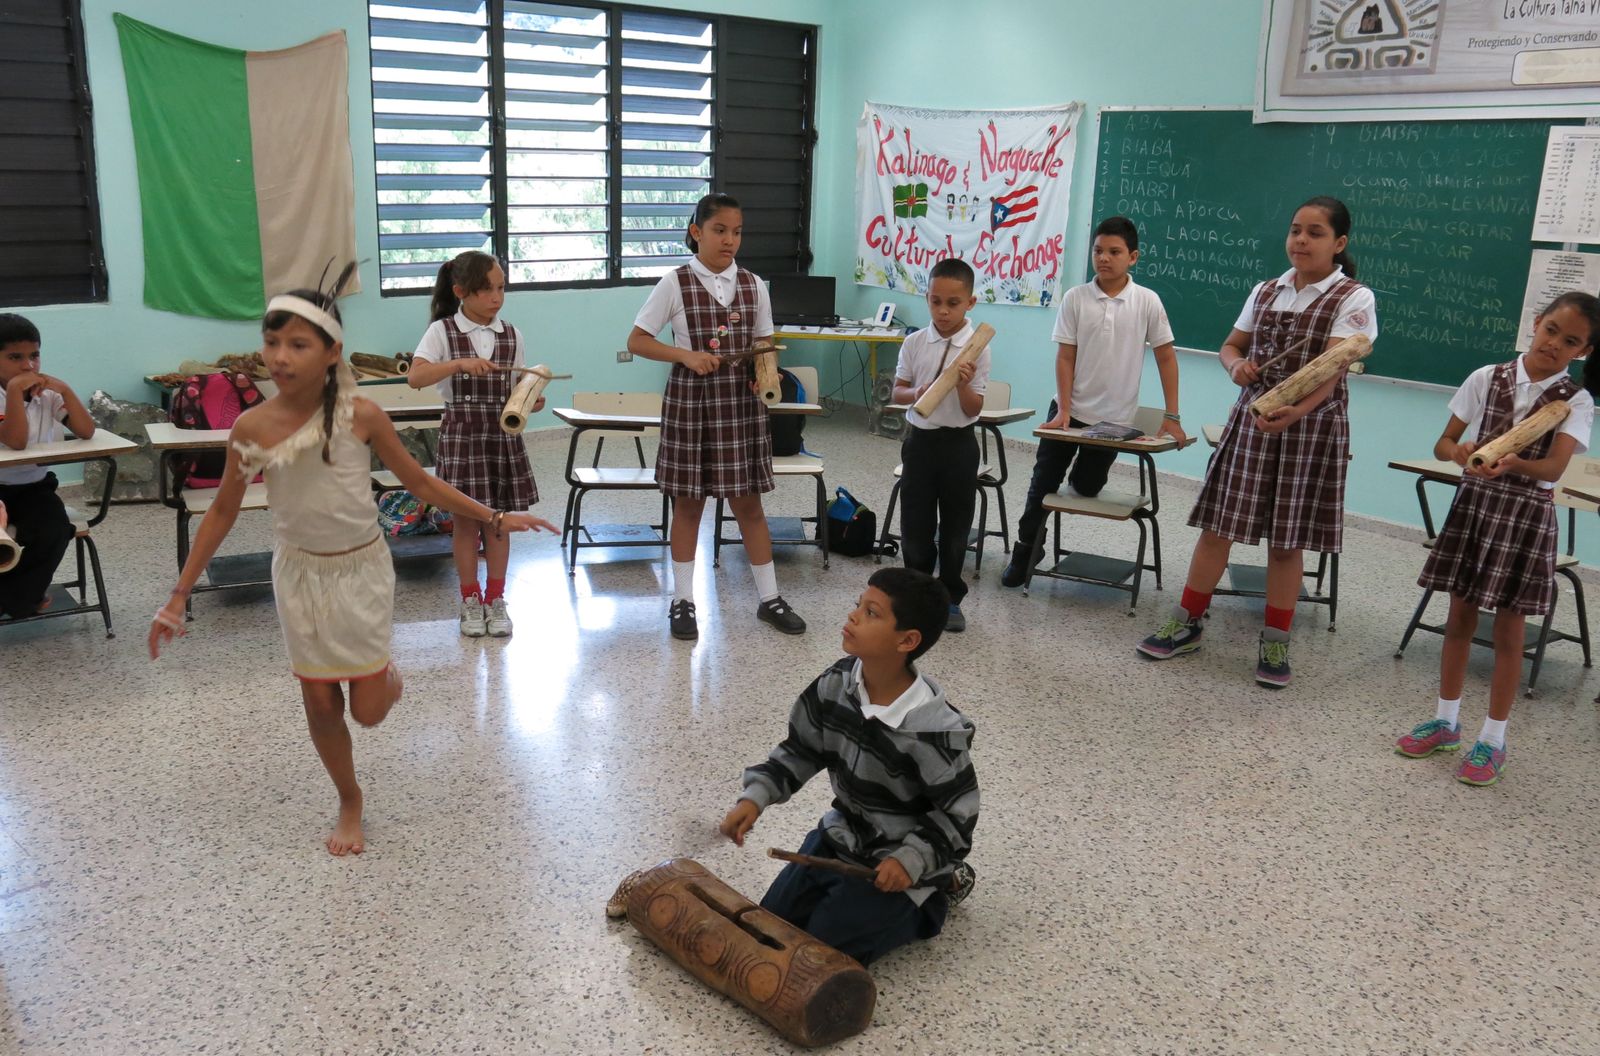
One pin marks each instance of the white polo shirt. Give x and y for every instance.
(46, 411)
(1110, 334)
(664, 306)
(435, 344)
(1469, 401)
(923, 357)
(1357, 315)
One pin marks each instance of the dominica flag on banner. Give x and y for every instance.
(245, 179)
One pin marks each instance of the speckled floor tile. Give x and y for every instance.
(1171, 859)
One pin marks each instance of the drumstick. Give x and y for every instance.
(542, 374)
(1285, 354)
(831, 865)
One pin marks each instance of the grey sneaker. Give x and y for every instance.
(472, 619)
(1179, 635)
(498, 622)
(956, 622)
(1272, 666)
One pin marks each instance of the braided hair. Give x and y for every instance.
(327, 300)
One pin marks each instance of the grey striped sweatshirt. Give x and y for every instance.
(908, 793)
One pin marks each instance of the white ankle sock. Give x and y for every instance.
(1449, 711)
(1494, 731)
(766, 580)
(683, 580)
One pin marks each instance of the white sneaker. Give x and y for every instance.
(472, 624)
(498, 622)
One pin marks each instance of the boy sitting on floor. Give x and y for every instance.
(905, 794)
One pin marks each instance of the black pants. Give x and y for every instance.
(938, 489)
(1090, 468)
(850, 915)
(39, 521)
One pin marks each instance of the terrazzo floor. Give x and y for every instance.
(1170, 859)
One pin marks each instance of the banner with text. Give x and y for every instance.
(988, 186)
(1352, 60)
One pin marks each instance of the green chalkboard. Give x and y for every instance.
(1441, 210)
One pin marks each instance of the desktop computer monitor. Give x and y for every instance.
(803, 300)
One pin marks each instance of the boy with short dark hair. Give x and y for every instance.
(1101, 332)
(905, 794)
(939, 456)
(35, 405)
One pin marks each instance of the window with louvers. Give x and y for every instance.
(572, 141)
(50, 250)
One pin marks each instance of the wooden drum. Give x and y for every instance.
(808, 991)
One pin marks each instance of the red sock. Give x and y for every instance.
(470, 590)
(1279, 619)
(496, 591)
(1195, 603)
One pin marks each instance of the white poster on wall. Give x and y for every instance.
(988, 186)
(1550, 274)
(1348, 60)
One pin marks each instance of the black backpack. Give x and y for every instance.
(787, 428)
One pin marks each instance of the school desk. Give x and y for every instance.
(103, 446)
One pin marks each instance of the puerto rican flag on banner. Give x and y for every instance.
(987, 186)
(1018, 207)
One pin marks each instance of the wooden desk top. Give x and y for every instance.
(639, 422)
(164, 436)
(1005, 417)
(102, 444)
(874, 334)
(1589, 493)
(1431, 468)
(1149, 445)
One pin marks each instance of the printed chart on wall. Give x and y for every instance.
(1440, 59)
(988, 186)
(1443, 219)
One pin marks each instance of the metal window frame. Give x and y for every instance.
(500, 235)
(96, 272)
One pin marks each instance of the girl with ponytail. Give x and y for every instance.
(332, 577)
(1279, 477)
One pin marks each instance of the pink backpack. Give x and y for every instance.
(209, 401)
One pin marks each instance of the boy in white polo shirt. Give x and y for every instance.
(939, 457)
(1101, 332)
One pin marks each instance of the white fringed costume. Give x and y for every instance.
(332, 576)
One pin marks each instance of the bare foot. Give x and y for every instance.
(346, 837)
(45, 604)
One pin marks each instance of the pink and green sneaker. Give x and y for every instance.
(1425, 738)
(1482, 765)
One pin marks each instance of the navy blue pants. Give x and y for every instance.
(938, 493)
(1090, 468)
(40, 523)
(848, 914)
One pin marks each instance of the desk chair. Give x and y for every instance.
(801, 465)
(1112, 504)
(1580, 471)
(596, 477)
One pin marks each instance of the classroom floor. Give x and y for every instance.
(1170, 859)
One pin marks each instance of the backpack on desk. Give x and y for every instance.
(208, 401)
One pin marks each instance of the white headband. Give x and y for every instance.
(309, 312)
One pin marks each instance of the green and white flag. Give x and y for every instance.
(245, 178)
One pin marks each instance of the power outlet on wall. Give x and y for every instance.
(624, 356)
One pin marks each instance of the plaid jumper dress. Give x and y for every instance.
(1497, 549)
(1288, 487)
(475, 454)
(714, 435)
